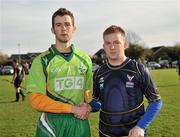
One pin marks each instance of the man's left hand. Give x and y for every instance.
(136, 132)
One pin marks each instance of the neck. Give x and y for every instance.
(116, 62)
(63, 47)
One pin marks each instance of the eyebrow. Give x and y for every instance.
(62, 22)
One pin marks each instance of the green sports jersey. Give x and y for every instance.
(61, 78)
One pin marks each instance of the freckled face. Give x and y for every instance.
(114, 46)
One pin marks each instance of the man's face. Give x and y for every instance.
(114, 46)
(63, 28)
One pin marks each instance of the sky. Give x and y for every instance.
(25, 25)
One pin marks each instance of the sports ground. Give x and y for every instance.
(18, 119)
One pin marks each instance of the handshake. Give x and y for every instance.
(81, 111)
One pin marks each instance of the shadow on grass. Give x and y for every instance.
(8, 102)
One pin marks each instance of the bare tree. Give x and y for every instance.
(132, 38)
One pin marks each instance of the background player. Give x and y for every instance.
(18, 77)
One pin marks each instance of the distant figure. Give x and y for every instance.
(18, 77)
(170, 64)
(29, 63)
(26, 67)
(178, 65)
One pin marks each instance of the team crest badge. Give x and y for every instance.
(82, 69)
(130, 77)
(130, 84)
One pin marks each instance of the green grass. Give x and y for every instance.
(20, 120)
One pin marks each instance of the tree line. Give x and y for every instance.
(139, 52)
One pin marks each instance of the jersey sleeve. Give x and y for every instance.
(88, 84)
(96, 90)
(95, 102)
(150, 114)
(43, 103)
(36, 81)
(149, 87)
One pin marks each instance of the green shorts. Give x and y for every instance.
(62, 125)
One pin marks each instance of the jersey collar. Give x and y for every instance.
(119, 66)
(54, 51)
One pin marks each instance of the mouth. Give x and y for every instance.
(112, 52)
(64, 35)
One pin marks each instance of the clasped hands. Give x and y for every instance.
(81, 111)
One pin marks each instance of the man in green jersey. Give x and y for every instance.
(59, 83)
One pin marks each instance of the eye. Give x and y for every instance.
(107, 43)
(117, 42)
(67, 24)
(58, 24)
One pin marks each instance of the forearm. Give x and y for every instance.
(43, 103)
(151, 112)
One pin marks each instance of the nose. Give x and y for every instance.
(112, 46)
(63, 27)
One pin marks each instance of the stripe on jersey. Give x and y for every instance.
(45, 124)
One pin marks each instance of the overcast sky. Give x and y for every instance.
(27, 23)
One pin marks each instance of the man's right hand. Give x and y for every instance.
(81, 111)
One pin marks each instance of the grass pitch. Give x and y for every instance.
(18, 119)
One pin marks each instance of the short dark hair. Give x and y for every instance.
(114, 29)
(62, 12)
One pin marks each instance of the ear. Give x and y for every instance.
(125, 45)
(52, 30)
(103, 45)
(74, 29)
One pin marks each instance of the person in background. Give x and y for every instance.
(178, 66)
(59, 82)
(18, 77)
(119, 89)
(26, 68)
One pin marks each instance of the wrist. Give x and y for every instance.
(139, 127)
(74, 108)
(89, 108)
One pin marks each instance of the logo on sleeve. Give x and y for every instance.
(101, 83)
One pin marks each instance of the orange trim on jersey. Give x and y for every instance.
(86, 95)
(43, 103)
